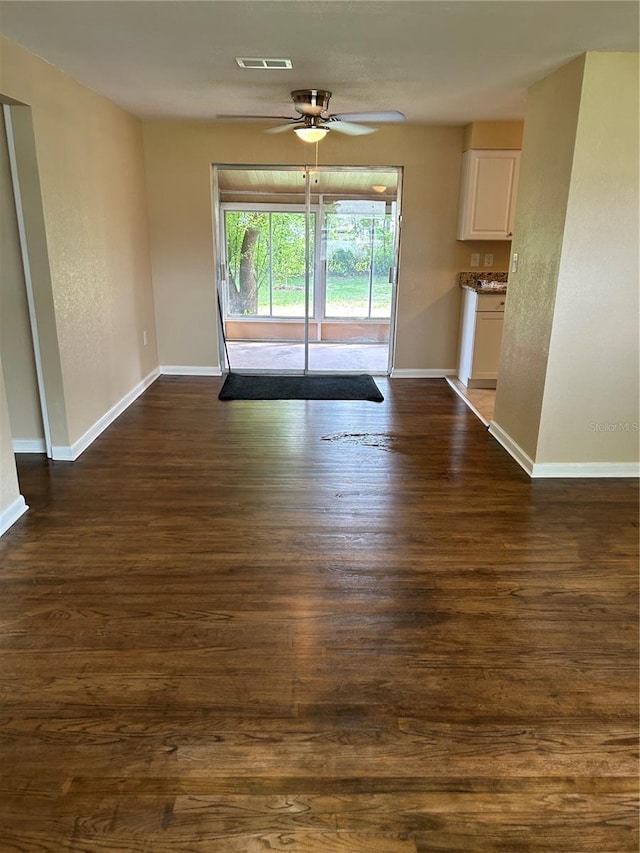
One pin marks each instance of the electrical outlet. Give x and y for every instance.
(514, 262)
(475, 259)
(488, 260)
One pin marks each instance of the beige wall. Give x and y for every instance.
(16, 347)
(568, 376)
(91, 174)
(9, 491)
(178, 159)
(493, 134)
(591, 390)
(543, 190)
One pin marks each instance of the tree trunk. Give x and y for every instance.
(244, 292)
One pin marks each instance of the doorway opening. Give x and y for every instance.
(307, 267)
(23, 365)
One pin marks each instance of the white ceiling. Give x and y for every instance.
(445, 62)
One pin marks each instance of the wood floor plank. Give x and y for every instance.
(515, 693)
(253, 750)
(89, 840)
(247, 626)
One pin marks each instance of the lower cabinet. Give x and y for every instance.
(480, 338)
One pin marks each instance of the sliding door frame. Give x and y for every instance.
(317, 310)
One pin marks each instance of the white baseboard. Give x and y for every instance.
(29, 445)
(540, 470)
(431, 373)
(188, 370)
(512, 447)
(70, 454)
(12, 513)
(586, 469)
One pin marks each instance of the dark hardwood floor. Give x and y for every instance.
(316, 626)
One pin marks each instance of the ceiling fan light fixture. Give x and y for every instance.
(311, 134)
(379, 188)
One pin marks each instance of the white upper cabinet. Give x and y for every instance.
(488, 194)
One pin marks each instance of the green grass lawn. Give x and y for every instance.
(346, 297)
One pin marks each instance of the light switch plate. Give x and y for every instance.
(475, 259)
(488, 260)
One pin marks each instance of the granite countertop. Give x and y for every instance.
(483, 281)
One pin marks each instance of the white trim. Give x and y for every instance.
(322, 321)
(540, 470)
(28, 282)
(265, 205)
(512, 447)
(12, 513)
(586, 469)
(65, 453)
(29, 445)
(188, 370)
(431, 373)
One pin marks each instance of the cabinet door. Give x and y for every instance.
(488, 195)
(486, 350)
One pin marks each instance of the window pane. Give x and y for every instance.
(265, 260)
(383, 246)
(288, 264)
(359, 248)
(247, 261)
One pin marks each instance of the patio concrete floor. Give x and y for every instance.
(247, 355)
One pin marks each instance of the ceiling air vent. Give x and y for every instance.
(258, 62)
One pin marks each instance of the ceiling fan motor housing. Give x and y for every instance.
(311, 102)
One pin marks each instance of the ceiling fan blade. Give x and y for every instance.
(349, 127)
(280, 128)
(253, 118)
(385, 117)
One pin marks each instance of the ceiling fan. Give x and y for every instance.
(314, 122)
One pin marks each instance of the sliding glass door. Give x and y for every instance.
(266, 296)
(307, 267)
(355, 296)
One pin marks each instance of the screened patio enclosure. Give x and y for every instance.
(307, 266)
